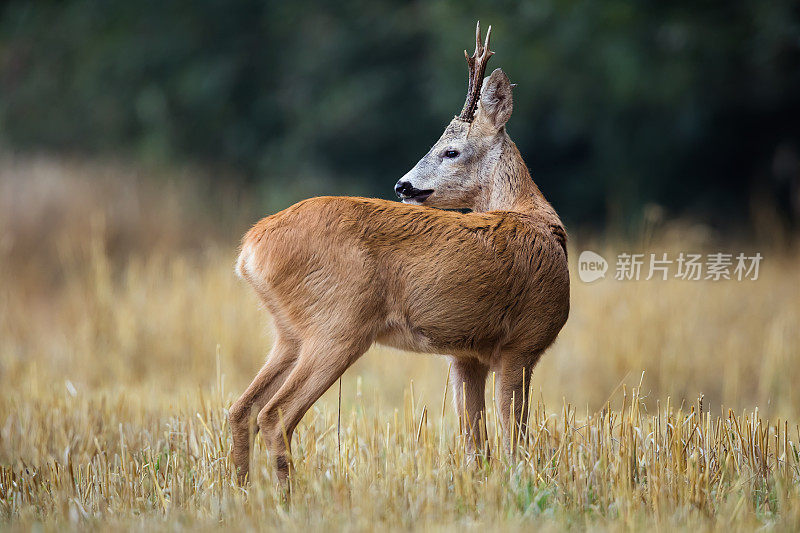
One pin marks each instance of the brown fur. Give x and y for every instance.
(490, 288)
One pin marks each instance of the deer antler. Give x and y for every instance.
(477, 68)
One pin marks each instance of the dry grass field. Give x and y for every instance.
(125, 336)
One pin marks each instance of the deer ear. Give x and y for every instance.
(496, 100)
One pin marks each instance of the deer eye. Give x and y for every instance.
(451, 153)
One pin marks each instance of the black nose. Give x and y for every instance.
(403, 188)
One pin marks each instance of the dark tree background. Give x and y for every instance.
(691, 105)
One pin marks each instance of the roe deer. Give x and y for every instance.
(489, 288)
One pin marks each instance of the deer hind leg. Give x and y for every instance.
(319, 366)
(266, 383)
(513, 400)
(468, 381)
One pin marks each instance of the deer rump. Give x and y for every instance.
(413, 278)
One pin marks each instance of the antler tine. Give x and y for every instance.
(477, 68)
(478, 47)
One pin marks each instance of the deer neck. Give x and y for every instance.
(510, 186)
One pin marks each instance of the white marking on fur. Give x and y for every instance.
(244, 260)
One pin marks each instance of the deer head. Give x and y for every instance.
(459, 172)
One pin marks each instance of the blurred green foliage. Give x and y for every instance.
(685, 104)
